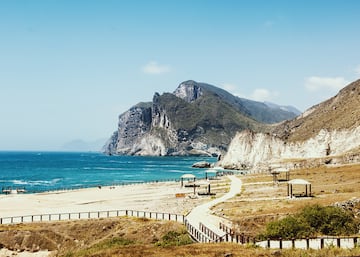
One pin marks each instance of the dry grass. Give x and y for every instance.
(69, 236)
(262, 202)
(220, 250)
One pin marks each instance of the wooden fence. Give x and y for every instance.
(312, 243)
(197, 234)
(91, 215)
(300, 243)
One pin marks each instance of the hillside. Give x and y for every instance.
(196, 119)
(337, 113)
(327, 133)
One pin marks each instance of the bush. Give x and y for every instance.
(175, 238)
(311, 221)
(330, 220)
(287, 228)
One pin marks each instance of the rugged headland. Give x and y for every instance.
(328, 133)
(196, 119)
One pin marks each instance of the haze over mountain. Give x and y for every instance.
(196, 119)
(327, 133)
(79, 145)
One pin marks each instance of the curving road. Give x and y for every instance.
(201, 213)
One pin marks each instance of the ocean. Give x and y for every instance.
(49, 171)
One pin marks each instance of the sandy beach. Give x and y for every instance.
(159, 197)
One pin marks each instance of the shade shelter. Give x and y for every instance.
(278, 172)
(208, 172)
(302, 182)
(188, 177)
(208, 188)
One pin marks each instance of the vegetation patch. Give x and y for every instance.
(175, 238)
(312, 221)
(102, 246)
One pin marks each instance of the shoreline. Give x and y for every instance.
(156, 197)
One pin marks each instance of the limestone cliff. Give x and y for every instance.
(328, 133)
(258, 151)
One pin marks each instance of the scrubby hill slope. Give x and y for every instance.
(337, 113)
(326, 133)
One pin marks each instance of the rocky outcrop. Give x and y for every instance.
(189, 91)
(197, 119)
(258, 151)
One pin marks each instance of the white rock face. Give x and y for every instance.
(187, 92)
(149, 145)
(249, 150)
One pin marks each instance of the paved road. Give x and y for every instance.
(202, 213)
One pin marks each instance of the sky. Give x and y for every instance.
(68, 69)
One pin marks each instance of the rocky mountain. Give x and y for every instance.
(327, 133)
(196, 119)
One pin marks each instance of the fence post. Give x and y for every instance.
(0, 220)
(293, 243)
(108, 214)
(307, 243)
(321, 243)
(169, 216)
(280, 243)
(355, 242)
(338, 242)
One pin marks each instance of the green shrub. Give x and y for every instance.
(311, 221)
(175, 238)
(287, 228)
(330, 220)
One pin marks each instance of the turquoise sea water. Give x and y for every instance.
(44, 171)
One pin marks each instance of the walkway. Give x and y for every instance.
(201, 214)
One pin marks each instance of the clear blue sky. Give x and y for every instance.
(69, 68)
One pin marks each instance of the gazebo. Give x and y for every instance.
(276, 172)
(188, 177)
(210, 171)
(293, 182)
(208, 188)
